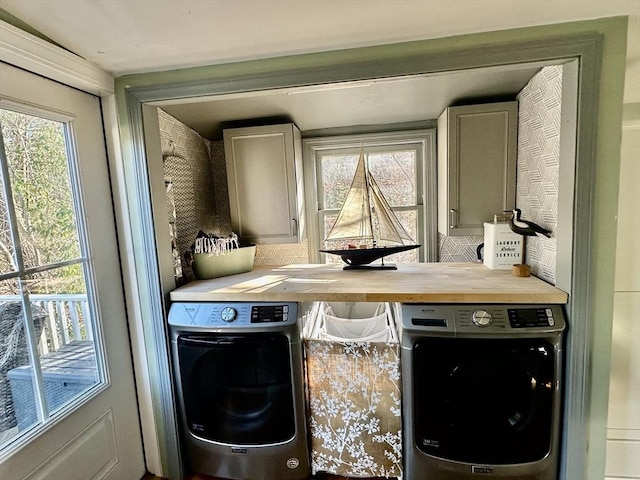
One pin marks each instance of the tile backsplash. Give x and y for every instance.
(458, 248)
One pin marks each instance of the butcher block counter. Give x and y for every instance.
(417, 282)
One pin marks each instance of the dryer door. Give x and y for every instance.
(237, 389)
(484, 400)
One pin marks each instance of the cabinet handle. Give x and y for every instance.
(294, 224)
(453, 218)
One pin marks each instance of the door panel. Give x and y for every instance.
(97, 436)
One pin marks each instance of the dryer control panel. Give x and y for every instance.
(482, 319)
(232, 315)
(531, 317)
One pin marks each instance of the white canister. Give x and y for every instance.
(502, 247)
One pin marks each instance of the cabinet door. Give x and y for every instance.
(263, 171)
(477, 165)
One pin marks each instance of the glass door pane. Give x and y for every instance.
(48, 356)
(7, 253)
(36, 157)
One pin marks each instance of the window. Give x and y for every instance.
(47, 350)
(403, 165)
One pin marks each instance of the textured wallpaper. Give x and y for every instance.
(538, 165)
(187, 170)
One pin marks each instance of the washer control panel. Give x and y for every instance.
(482, 319)
(232, 315)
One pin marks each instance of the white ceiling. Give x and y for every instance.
(136, 36)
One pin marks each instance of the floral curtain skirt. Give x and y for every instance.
(354, 402)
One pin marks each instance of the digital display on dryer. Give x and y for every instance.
(530, 317)
(269, 313)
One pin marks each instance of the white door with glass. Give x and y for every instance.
(67, 398)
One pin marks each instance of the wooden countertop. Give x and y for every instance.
(418, 282)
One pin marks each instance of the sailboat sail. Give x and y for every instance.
(366, 214)
(354, 219)
(389, 227)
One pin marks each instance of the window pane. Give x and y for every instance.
(63, 290)
(395, 173)
(409, 220)
(41, 188)
(65, 340)
(7, 252)
(337, 174)
(16, 394)
(328, 221)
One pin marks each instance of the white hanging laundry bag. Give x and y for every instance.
(354, 389)
(374, 329)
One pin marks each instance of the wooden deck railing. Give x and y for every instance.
(64, 342)
(60, 319)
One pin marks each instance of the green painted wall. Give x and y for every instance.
(631, 111)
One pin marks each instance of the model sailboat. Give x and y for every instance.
(367, 220)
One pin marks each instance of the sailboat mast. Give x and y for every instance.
(367, 192)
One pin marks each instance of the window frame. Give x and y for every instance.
(423, 141)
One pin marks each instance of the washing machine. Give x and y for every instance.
(239, 375)
(482, 391)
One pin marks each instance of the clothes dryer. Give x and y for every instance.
(239, 380)
(482, 391)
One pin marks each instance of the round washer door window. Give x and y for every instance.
(237, 389)
(484, 400)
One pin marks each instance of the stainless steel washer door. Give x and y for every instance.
(484, 400)
(237, 389)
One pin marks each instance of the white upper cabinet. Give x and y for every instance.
(264, 171)
(476, 165)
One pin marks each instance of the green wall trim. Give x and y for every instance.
(602, 251)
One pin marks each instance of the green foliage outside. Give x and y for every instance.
(36, 156)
